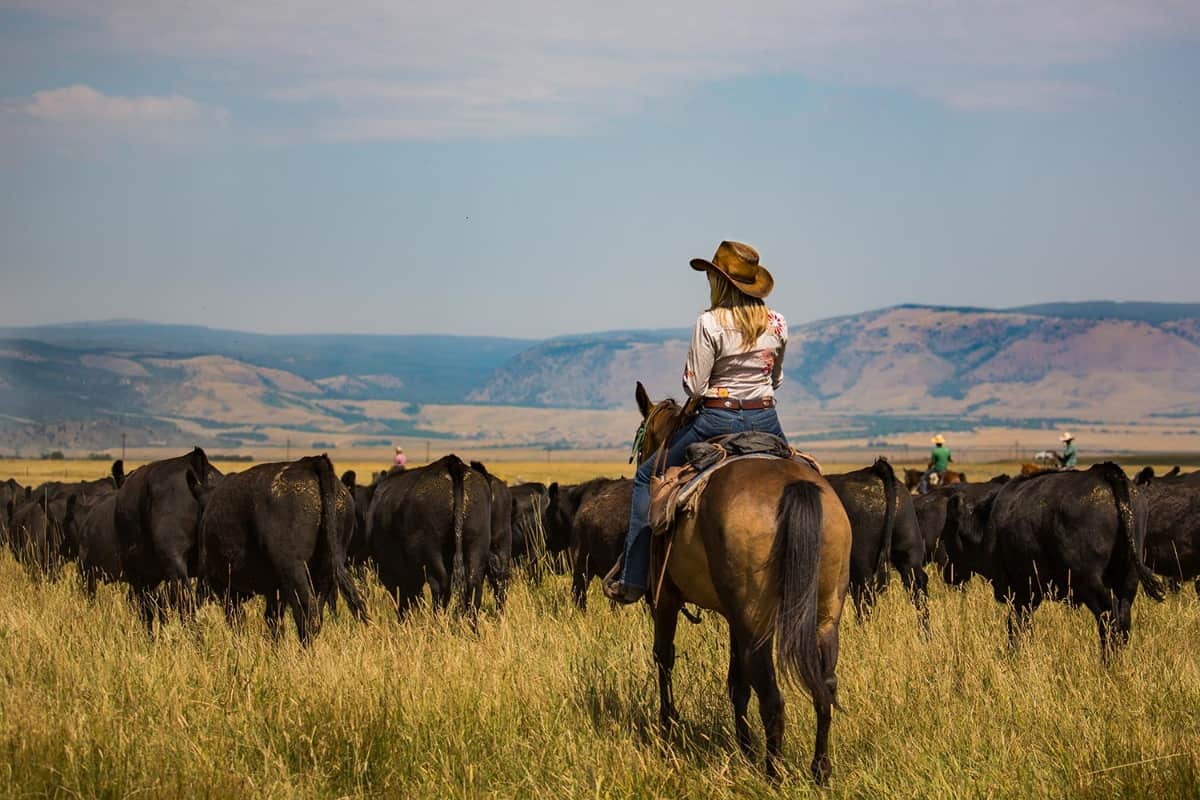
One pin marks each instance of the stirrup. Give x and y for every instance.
(615, 590)
(620, 593)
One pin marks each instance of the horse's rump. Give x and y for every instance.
(721, 555)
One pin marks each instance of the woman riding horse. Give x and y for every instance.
(768, 544)
(735, 364)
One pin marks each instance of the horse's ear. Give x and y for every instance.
(643, 400)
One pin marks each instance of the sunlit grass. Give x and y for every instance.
(546, 702)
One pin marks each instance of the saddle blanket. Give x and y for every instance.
(678, 491)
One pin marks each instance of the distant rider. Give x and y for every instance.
(939, 463)
(1068, 457)
(400, 460)
(735, 362)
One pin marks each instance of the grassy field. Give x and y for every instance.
(546, 702)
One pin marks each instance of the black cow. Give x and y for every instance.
(1147, 475)
(499, 564)
(99, 549)
(1173, 527)
(432, 524)
(88, 493)
(39, 537)
(528, 526)
(358, 552)
(930, 509)
(885, 529)
(592, 519)
(156, 517)
(47, 520)
(11, 493)
(279, 530)
(1074, 535)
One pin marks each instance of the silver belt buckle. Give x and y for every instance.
(729, 404)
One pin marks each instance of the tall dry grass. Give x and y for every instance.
(546, 702)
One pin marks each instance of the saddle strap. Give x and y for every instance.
(662, 572)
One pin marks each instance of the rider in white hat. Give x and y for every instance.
(1068, 457)
(939, 462)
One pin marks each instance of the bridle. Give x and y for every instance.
(639, 439)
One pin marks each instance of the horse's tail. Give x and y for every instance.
(1132, 528)
(883, 470)
(796, 556)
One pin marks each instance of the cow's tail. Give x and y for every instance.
(1131, 527)
(331, 537)
(796, 556)
(458, 477)
(887, 475)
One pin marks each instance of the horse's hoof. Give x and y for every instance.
(821, 770)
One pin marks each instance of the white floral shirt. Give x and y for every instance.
(719, 365)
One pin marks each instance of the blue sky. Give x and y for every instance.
(535, 168)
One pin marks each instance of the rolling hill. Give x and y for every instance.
(886, 370)
(909, 360)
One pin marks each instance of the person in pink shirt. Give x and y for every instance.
(400, 459)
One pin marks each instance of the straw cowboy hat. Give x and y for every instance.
(1066, 437)
(939, 439)
(739, 263)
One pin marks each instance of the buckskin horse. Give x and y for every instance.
(768, 548)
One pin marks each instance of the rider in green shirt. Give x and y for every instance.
(1068, 458)
(939, 462)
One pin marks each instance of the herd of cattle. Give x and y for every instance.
(178, 532)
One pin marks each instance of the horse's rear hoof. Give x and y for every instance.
(821, 770)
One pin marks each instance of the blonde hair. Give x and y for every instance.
(749, 314)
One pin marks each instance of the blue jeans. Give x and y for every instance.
(709, 423)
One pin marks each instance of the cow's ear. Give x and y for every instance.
(349, 478)
(118, 472)
(643, 400)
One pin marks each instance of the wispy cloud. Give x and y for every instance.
(74, 114)
(81, 105)
(457, 68)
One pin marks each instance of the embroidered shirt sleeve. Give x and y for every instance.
(700, 358)
(780, 329)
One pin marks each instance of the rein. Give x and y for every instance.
(638, 438)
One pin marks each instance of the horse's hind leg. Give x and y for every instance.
(821, 766)
(761, 671)
(666, 618)
(739, 693)
(827, 642)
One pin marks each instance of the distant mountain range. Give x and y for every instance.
(76, 385)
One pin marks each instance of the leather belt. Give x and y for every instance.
(739, 405)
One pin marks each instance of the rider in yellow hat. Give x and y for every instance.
(939, 462)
